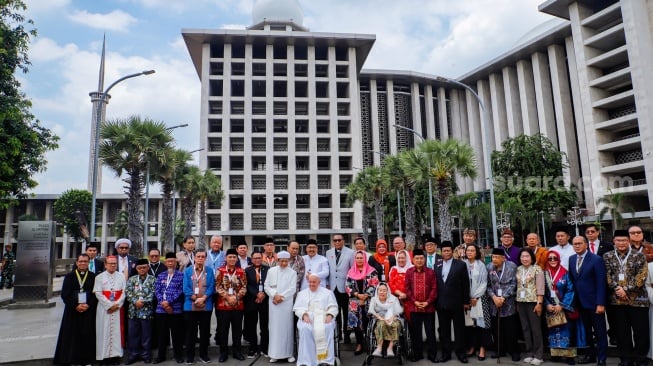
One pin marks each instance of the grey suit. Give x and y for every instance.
(337, 282)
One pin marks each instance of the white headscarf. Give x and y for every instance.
(409, 263)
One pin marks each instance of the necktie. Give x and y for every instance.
(258, 275)
(592, 248)
(430, 263)
(338, 256)
(578, 264)
(91, 266)
(125, 267)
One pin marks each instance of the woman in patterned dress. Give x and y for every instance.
(361, 283)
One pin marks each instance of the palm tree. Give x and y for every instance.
(188, 188)
(128, 146)
(613, 205)
(367, 188)
(166, 174)
(209, 189)
(407, 158)
(441, 161)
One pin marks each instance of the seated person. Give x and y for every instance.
(316, 308)
(386, 308)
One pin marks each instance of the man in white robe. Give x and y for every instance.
(316, 308)
(110, 291)
(315, 264)
(280, 286)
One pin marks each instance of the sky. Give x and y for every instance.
(440, 37)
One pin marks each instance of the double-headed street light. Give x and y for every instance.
(146, 212)
(488, 164)
(96, 143)
(430, 184)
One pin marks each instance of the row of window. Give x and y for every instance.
(237, 125)
(281, 182)
(279, 108)
(280, 163)
(259, 144)
(281, 201)
(280, 88)
(280, 69)
(281, 221)
(279, 51)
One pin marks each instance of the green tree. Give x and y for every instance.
(613, 205)
(367, 187)
(406, 159)
(127, 147)
(528, 174)
(188, 188)
(121, 225)
(441, 161)
(72, 209)
(24, 141)
(209, 189)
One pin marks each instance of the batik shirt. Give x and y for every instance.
(140, 289)
(502, 282)
(634, 269)
(232, 282)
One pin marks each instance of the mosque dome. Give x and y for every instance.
(277, 10)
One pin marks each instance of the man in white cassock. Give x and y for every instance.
(316, 308)
(280, 286)
(109, 289)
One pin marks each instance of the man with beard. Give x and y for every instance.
(76, 342)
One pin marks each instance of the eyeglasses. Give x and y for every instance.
(154, 256)
(553, 259)
(634, 232)
(336, 240)
(123, 247)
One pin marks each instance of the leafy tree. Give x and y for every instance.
(24, 141)
(72, 209)
(127, 147)
(613, 205)
(528, 176)
(441, 161)
(407, 158)
(28, 217)
(121, 225)
(209, 189)
(188, 191)
(368, 188)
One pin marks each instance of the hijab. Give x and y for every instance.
(390, 299)
(356, 274)
(409, 263)
(558, 272)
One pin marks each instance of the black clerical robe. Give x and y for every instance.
(76, 342)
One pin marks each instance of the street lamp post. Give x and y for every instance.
(575, 217)
(504, 220)
(401, 232)
(488, 165)
(146, 218)
(543, 229)
(96, 143)
(430, 183)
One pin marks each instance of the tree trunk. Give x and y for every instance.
(167, 222)
(444, 217)
(202, 232)
(365, 217)
(188, 210)
(134, 211)
(411, 229)
(378, 212)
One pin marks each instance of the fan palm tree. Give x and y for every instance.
(613, 205)
(188, 188)
(441, 161)
(407, 158)
(367, 188)
(209, 189)
(166, 174)
(127, 146)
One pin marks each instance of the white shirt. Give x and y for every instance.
(317, 265)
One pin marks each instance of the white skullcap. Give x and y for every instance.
(123, 240)
(283, 255)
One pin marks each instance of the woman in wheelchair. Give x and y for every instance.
(385, 308)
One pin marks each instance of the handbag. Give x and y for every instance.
(469, 321)
(554, 319)
(572, 315)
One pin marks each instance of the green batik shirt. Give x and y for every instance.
(138, 289)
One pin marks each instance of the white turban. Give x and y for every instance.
(283, 255)
(123, 240)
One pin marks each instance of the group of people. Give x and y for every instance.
(559, 294)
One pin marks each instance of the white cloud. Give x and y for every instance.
(40, 6)
(46, 49)
(116, 20)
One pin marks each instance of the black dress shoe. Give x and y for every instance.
(600, 363)
(223, 357)
(433, 359)
(586, 359)
(416, 358)
(129, 362)
(516, 357)
(462, 359)
(497, 355)
(358, 351)
(444, 358)
(158, 360)
(481, 358)
(239, 356)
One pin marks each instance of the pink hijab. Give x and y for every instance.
(356, 274)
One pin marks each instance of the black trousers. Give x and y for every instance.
(417, 321)
(170, 325)
(595, 328)
(195, 320)
(259, 314)
(505, 334)
(632, 325)
(478, 337)
(343, 311)
(230, 319)
(445, 317)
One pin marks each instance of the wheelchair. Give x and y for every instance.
(402, 348)
(336, 345)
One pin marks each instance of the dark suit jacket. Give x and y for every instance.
(602, 247)
(249, 262)
(379, 267)
(453, 293)
(252, 287)
(590, 283)
(131, 260)
(155, 271)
